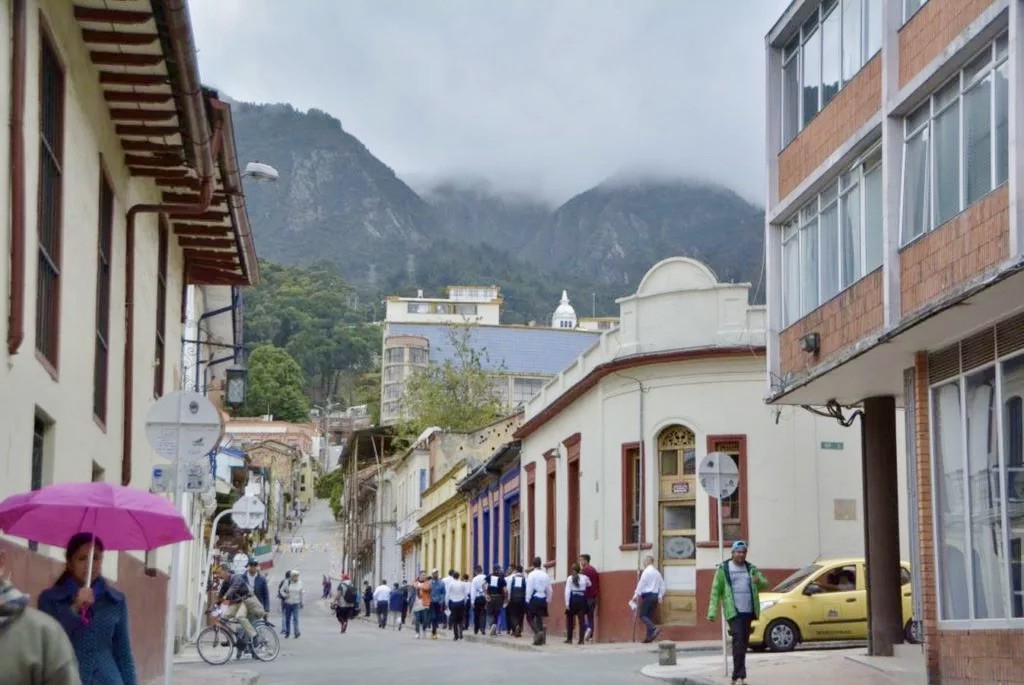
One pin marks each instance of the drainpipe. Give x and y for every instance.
(207, 150)
(16, 313)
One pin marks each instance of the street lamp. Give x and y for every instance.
(235, 382)
(260, 171)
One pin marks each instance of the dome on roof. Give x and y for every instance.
(565, 315)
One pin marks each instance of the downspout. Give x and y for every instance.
(207, 150)
(16, 313)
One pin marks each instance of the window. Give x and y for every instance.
(161, 310)
(910, 7)
(956, 144)
(499, 389)
(734, 507)
(394, 355)
(465, 309)
(418, 355)
(101, 355)
(978, 472)
(632, 495)
(524, 389)
(393, 373)
(826, 53)
(550, 539)
(838, 579)
(51, 163)
(392, 391)
(677, 453)
(531, 518)
(40, 431)
(419, 308)
(835, 240)
(514, 534)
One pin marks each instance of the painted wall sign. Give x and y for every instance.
(682, 488)
(831, 445)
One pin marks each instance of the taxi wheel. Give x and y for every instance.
(782, 635)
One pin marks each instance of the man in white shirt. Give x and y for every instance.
(382, 596)
(457, 599)
(538, 594)
(478, 599)
(649, 591)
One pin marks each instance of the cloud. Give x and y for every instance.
(546, 98)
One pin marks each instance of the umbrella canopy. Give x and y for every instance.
(123, 518)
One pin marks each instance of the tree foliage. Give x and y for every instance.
(311, 313)
(455, 394)
(274, 385)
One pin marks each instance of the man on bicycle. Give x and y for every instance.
(242, 604)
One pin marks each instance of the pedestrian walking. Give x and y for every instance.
(575, 602)
(280, 591)
(294, 602)
(593, 590)
(381, 597)
(649, 591)
(516, 609)
(34, 649)
(421, 605)
(437, 596)
(396, 606)
(346, 599)
(367, 597)
(408, 596)
(538, 594)
(469, 604)
(495, 598)
(327, 587)
(458, 602)
(257, 583)
(478, 598)
(735, 587)
(95, 617)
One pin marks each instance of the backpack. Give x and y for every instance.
(281, 591)
(517, 589)
(350, 594)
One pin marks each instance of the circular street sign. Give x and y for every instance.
(248, 512)
(183, 426)
(718, 475)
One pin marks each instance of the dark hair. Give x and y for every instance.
(536, 562)
(585, 557)
(478, 569)
(465, 576)
(576, 575)
(77, 542)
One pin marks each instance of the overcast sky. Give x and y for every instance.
(547, 97)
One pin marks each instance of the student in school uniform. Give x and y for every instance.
(575, 602)
(538, 594)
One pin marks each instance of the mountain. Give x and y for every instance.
(335, 201)
(617, 230)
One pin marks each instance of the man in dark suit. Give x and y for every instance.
(258, 584)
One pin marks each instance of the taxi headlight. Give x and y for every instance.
(768, 604)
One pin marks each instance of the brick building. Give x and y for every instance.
(894, 264)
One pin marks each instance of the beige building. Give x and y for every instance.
(120, 207)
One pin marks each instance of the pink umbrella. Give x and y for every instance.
(123, 518)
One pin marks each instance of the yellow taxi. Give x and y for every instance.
(824, 601)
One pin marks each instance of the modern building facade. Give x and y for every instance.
(894, 261)
(610, 449)
(121, 215)
(519, 358)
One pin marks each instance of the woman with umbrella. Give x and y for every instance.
(95, 616)
(89, 518)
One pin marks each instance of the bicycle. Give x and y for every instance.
(226, 635)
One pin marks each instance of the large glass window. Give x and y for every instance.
(826, 53)
(956, 144)
(978, 471)
(910, 7)
(835, 240)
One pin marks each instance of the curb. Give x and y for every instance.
(505, 644)
(652, 672)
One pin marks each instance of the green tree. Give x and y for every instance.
(456, 394)
(274, 385)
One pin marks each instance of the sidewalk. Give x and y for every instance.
(838, 666)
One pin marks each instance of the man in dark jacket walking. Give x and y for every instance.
(258, 584)
(367, 597)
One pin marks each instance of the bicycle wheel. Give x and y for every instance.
(215, 645)
(268, 644)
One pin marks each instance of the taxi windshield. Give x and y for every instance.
(795, 579)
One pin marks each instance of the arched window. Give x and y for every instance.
(676, 452)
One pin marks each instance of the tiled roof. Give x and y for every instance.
(522, 349)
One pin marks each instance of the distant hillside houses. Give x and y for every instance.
(420, 330)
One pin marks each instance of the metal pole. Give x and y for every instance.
(721, 556)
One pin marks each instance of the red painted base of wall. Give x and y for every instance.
(147, 600)
(617, 623)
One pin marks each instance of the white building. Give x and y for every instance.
(683, 375)
(410, 475)
(119, 205)
(464, 304)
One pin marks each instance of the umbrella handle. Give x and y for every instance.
(83, 610)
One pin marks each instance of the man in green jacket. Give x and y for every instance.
(736, 587)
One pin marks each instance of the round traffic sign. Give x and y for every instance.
(718, 475)
(183, 426)
(248, 512)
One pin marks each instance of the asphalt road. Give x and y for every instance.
(365, 654)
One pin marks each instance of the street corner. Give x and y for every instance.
(676, 675)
